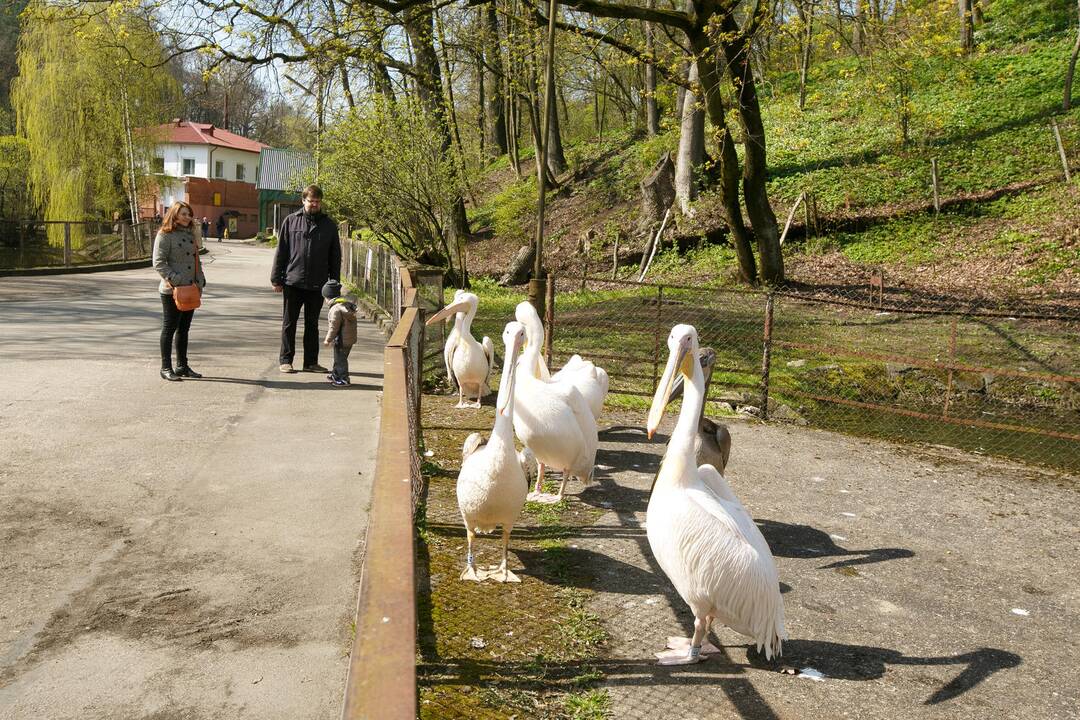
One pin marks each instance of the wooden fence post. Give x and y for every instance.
(934, 182)
(656, 336)
(549, 318)
(766, 357)
(1061, 149)
(952, 361)
(67, 244)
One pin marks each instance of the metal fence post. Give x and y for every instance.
(123, 241)
(952, 361)
(656, 336)
(766, 356)
(67, 244)
(549, 318)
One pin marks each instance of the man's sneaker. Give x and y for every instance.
(286, 368)
(339, 382)
(314, 368)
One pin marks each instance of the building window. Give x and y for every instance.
(157, 165)
(239, 171)
(217, 199)
(189, 166)
(219, 169)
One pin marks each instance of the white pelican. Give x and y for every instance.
(712, 446)
(468, 362)
(589, 379)
(491, 486)
(701, 535)
(553, 420)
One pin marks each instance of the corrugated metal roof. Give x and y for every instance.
(286, 170)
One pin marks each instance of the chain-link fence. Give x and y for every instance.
(70, 244)
(376, 272)
(986, 376)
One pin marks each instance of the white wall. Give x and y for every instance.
(205, 160)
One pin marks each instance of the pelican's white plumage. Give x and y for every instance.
(492, 486)
(553, 420)
(468, 362)
(701, 535)
(590, 379)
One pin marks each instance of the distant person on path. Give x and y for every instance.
(308, 253)
(342, 331)
(205, 227)
(175, 247)
(220, 227)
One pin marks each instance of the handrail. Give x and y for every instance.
(382, 668)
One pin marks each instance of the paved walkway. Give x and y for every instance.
(175, 550)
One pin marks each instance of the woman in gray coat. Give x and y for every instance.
(175, 249)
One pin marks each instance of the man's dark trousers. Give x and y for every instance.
(312, 302)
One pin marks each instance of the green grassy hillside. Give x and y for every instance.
(1009, 223)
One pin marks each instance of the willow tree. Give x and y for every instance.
(87, 82)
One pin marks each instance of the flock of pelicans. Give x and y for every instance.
(701, 535)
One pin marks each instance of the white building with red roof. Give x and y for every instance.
(213, 170)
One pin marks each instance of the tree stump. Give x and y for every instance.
(657, 194)
(520, 267)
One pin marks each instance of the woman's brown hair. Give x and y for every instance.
(169, 223)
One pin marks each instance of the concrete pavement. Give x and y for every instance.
(175, 550)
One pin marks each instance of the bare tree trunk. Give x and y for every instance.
(652, 112)
(481, 105)
(1072, 64)
(967, 26)
(556, 158)
(691, 145)
(755, 165)
(680, 93)
(418, 26)
(806, 15)
(729, 160)
(495, 103)
(858, 33)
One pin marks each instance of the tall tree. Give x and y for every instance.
(496, 115)
(86, 82)
(1071, 69)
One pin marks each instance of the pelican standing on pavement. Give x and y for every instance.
(553, 421)
(713, 443)
(491, 486)
(701, 535)
(468, 362)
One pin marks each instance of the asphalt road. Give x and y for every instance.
(175, 550)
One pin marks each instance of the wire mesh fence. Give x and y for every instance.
(376, 272)
(70, 244)
(986, 376)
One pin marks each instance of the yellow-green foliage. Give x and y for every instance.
(78, 73)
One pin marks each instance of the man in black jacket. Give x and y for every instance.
(308, 253)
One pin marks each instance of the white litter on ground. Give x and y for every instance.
(1020, 611)
(838, 537)
(847, 514)
(429, 453)
(811, 674)
(818, 479)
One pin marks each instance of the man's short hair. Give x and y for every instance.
(312, 191)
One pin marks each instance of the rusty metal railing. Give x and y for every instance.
(382, 667)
